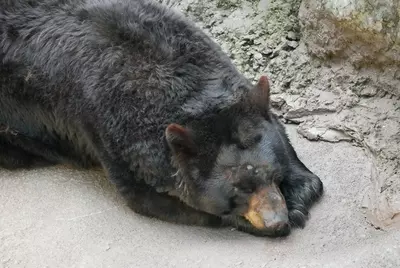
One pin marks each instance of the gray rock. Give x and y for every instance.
(267, 51)
(365, 33)
(292, 36)
(292, 44)
(258, 56)
(324, 134)
(368, 91)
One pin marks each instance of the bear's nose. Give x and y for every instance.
(275, 220)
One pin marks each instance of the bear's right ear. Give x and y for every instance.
(260, 95)
(180, 140)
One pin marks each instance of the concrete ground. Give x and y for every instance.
(60, 217)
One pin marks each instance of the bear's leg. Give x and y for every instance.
(21, 151)
(14, 157)
(146, 201)
(301, 190)
(300, 187)
(23, 148)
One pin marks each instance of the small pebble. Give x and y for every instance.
(292, 36)
(292, 44)
(267, 51)
(257, 42)
(258, 56)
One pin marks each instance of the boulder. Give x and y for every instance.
(365, 33)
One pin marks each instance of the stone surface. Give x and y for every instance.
(364, 33)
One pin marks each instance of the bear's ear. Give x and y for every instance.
(259, 95)
(180, 140)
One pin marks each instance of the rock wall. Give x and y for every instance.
(363, 33)
(361, 40)
(334, 69)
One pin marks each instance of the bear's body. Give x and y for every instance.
(136, 88)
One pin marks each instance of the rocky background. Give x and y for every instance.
(335, 72)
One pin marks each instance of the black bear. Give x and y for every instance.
(133, 86)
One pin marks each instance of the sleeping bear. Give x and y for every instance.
(135, 88)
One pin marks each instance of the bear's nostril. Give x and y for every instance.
(282, 226)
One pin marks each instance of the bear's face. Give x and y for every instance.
(233, 159)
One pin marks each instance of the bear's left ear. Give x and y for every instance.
(180, 140)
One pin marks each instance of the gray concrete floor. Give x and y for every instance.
(59, 217)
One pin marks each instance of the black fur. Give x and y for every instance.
(97, 82)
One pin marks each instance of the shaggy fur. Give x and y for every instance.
(133, 86)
